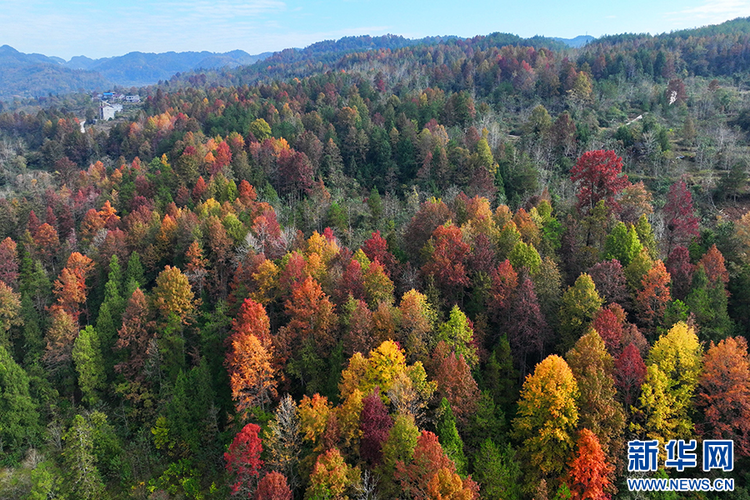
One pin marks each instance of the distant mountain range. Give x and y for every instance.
(34, 75)
(576, 42)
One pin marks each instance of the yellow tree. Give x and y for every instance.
(251, 374)
(673, 369)
(547, 418)
(173, 294)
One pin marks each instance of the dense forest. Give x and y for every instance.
(459, 268)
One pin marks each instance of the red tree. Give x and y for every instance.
(504, 284)
(455, 382)
(243, 458)
(9, 263)
(597, 174)
(483, 257)
(682, 224)
(630, 371)
(447, 263)
(713, 264)
(528, 330)
(273, 486)
(652, 300)
(589, 476)
(431, 214)
(376, 247)
(681, 271)
(375, 424)
(609, 322)
(351, 283)
(134, 336)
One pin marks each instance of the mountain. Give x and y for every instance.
(576, 42)
(34, 75)
(139, 68)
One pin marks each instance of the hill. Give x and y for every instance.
(36, 75)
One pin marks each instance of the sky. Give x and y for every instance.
(67, 28)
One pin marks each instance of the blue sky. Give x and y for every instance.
(67, 28)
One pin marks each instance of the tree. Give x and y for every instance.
(448, 261)
(243, 459)
(580, 303)
(19, 419)
(60, 337)
(713, 264)
(547, 417)
(10, 312)
(331, 477)
(273, 486)
(609, 324)
(416, 476)
(376, 248)
(454, 382)
(9, 263)
(249, 358)
(417, 320)
(284, 441)
(673, 368)
(84, 480)
(635, 203)
(708, 304)
(378, 286)
(590, 474)
(525, 257)
(681, 270)
(679, 216)
(458, 334)
(251, 372)
(597, 174)
(307, 340)
(528, 331)
(630, 371)
(599, 411)
(652, 299)
(173, 294)
(610, 282)
(622, 244)
(723, 394)
(402, 439)
(89, 363)
(432, 213)
(449, 437)
(497, 471)
(70, 287)
(375, 424)
(134, 335)
(447, 484)
(504, 283)
(314, 414)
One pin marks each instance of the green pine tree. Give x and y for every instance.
(449, 437)
(19, 420)
(89, 363)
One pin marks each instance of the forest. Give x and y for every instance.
(453, 269)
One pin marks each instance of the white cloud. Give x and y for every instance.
(711, 12)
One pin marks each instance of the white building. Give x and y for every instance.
(107, 111)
